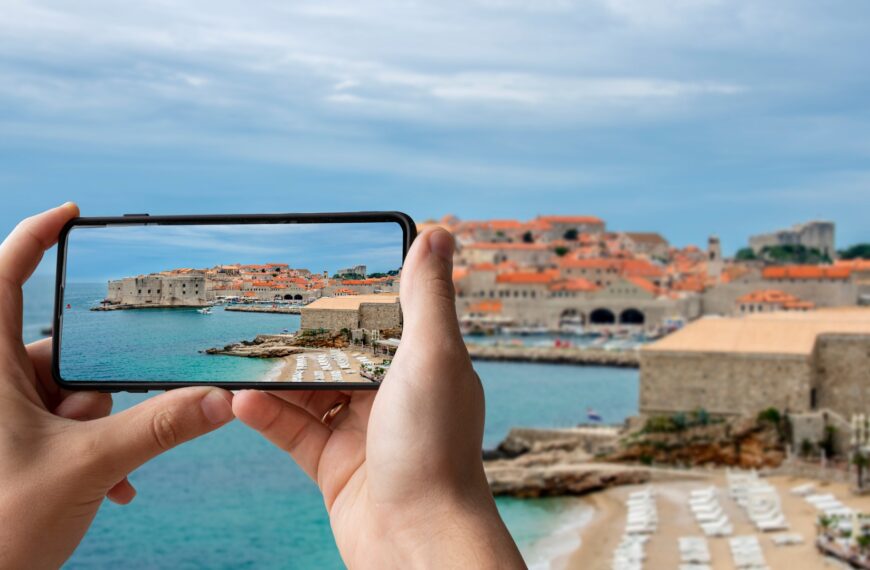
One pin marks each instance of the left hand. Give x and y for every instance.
(61, 453)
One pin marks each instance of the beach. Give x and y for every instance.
(284, 371)
(602, 534)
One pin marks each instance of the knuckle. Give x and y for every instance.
(164, 431)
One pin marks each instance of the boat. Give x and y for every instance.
(204, 311)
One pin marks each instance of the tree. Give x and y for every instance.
(570, 235)
(860, 461)
(528, 238)
(857, 251)
(561, 251)
(793, 253)
(745, 254)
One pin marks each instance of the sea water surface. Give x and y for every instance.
(232, 500)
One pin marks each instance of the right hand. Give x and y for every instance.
(401, 471)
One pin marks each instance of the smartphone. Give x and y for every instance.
(269, 301)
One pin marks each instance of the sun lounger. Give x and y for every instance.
(786, 539)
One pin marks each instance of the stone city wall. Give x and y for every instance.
(158, 290)
(842, 368)
(723, 384)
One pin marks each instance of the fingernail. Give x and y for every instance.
(216, 407)
(68, 205)
(441, 244)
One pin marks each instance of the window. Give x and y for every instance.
(140, 291)
(149, 291)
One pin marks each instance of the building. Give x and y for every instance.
(817, 235)
(158, 290)
(360, 270)
(379, 312)
(793, 361)
(770, 300)
(645, 243)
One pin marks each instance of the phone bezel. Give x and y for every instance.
(409, 232)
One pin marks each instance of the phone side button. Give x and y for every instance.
(136, 215)
(136, 390)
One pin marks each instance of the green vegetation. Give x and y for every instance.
(745, 254)
(561, 251)
(793, 254)
(857, 251)
(771, 415)
(570, 235)
(528, 238)
(348, 276)
(860, 461)
(806, 448)
(678, 422)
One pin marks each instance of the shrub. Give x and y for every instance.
(770, 415)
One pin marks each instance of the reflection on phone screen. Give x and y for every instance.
(270, 302)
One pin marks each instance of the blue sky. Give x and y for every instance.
(99, 254)
(687, 117)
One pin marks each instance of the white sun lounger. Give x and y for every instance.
(786, 539)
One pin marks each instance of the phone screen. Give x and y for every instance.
(280, 303)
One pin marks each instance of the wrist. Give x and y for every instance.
(461, 531)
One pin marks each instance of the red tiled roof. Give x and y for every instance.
(643, 284)
(527, 277)
(578, 284)
(806, 272)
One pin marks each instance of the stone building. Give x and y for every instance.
(647, 243)
(369, 312)
(815, 234)
(159, 290)
(793, 361)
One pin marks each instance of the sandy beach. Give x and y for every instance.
(602, 535)
(288, 365)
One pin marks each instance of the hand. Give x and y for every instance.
(401, 470)
(60, 451)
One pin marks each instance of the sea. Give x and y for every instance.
(232, 500)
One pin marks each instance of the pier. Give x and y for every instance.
(556, 355)
(264, 309)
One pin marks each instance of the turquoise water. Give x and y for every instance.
(158, 344)
(231, 500)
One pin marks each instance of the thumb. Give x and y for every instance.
(427, 293)
(132, 437)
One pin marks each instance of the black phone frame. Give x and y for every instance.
(409, 232)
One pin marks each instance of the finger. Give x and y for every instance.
(427, 292)
(315, 402)
(85, 406)
(128, 439)
(122, 493)
(20, 253)
(287, 426)
(39, 354)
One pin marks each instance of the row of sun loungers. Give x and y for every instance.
(707, 511)
(759, 499)
(641, 521)
(746, 552)
(694, 554)
(829, 505)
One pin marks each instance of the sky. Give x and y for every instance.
(686, 117)
(98, 254)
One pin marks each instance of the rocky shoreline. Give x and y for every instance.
(554, 355)
(280, 345)
(124, 307)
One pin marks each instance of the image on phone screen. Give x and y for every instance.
(299, 303)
